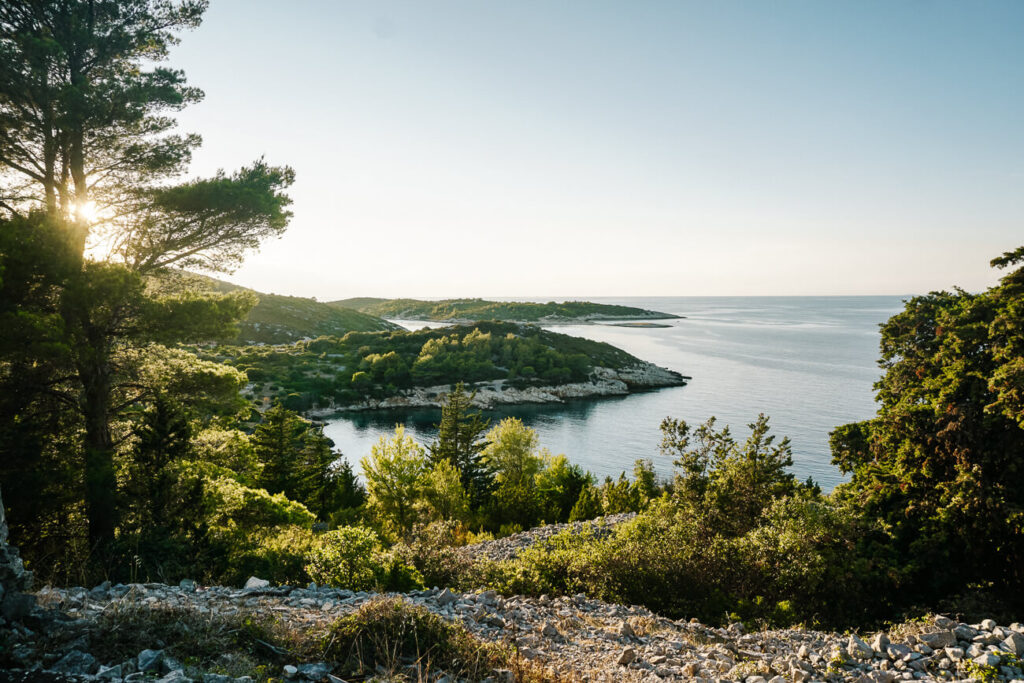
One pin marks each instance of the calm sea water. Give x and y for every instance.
(807, 362)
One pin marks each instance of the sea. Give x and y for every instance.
(808, 363)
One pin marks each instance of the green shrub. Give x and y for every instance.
(386, 633)
(739, 535)
(347, 557)
(354, 558)
(278, 555)
(433, 551)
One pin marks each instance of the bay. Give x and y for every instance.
(809, 363)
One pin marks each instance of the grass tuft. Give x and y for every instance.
(398, 637)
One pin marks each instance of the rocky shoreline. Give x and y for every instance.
(603, 382)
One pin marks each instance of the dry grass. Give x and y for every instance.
(912, 628)
(237, 645)
(645, 626)
(388, 638)
(532, 671)
(394, 636)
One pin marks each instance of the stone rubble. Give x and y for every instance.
(15, 580)
(575, 637)
(509, 547)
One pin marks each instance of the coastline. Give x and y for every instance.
(603, 382)
(593, 319)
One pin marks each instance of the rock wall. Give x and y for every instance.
(14, 578)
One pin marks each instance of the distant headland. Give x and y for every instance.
(471, 310)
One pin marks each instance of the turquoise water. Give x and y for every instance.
(807, 362)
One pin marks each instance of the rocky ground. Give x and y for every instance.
(509, 547)
(61, 635)
(574, 637)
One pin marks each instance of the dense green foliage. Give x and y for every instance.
(460, 444)
(734, 533)
(940, 465)
(88, 156)
(347, 557)
(339, 371)
(508, 483)
(456, 310)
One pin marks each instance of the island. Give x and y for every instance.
(505, 363)
(470, 310)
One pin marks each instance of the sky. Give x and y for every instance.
(572, 148)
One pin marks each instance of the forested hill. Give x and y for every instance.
(278, 319)
(341, 371)
(463, 310)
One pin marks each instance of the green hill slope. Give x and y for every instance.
(278, 319)
(461, 310)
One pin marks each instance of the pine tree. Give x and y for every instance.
(297, 460)
(459, 441)
(587, 506)
(85, 138)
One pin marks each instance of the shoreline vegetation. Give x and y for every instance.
(504, 363)
(465, 311)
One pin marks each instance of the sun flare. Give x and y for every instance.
(86, 211)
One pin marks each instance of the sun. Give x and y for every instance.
(86, 211)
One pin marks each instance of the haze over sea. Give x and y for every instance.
(809, 363)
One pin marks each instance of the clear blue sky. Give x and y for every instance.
(586, 148)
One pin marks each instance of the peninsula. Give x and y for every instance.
(506, 363)
(469, 310)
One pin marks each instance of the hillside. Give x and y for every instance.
(273, 632)
(511, 363)
(278, 319)
(463, 310)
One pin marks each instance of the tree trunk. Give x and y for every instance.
(49, 155)
(100, 478)
(76, 154)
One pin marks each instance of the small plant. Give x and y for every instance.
(392, 633)
(836, 664)
(982, 672)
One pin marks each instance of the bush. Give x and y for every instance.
(354, 558)
(346, 558)
(433, 551)
(739, 536)
(389, 632)
(802, 565)
(278, 555)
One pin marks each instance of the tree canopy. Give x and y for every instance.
(90, 212)
(940, 463)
